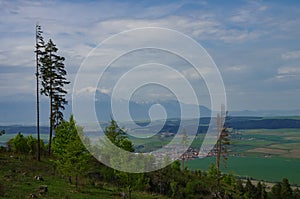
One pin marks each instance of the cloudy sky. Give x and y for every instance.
(255, 44)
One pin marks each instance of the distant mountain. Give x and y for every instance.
(140, 111)
(25, 130)
(265, 113)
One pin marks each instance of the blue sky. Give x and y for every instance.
(255, 44)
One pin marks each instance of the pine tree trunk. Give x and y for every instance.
(37, 101)
(51, 111)
(219, 148)
(51, 122)
(38, 117)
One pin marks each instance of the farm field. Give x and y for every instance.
(266, 142)
(259, 168)
(262, 154)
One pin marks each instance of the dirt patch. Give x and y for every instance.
(268, 151)
(295, 153)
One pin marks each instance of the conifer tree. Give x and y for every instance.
(53, 75)
(72, 157)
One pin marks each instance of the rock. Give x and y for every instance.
(40, 178)
(32, 196)
(43, 189)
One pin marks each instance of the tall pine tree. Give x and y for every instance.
(53, 75)
(39, 46)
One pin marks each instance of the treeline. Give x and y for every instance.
(233, 122)
(73, 162)
(238, 123)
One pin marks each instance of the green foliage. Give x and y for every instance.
(17, 181)
(212, 171)
(195, 189)
(24, 145)
(71, 156)
(239, 188)
(18, 144)
(282, 190)
(261, 191)
(250, 190)
(176, 165)
(173, 186)
(53, 78)
(286, 190)
(116, 150)
(276, 191)
(118, 136)
(120, 158)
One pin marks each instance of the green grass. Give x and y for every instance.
(260, 168)
(17, 180)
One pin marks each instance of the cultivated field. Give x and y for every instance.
(262, 154)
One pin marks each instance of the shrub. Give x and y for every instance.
(24, 145)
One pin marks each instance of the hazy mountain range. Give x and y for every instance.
(18, 112)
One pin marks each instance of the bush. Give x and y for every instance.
(19, 144)
(25, 145)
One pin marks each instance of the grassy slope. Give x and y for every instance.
(17, 180)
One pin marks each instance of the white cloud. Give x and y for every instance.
(236, 68)
(289, 70)
(105, 90)
(86, 91)
(291, 55)
(288, 73)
